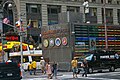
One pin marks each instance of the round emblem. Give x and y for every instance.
(57, 41)
(45, 43)
(51, 42)
(64, 41)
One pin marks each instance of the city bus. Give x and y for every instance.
(28, 56)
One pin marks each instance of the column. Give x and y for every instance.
(115, 16)
(63, 8)
(99, 15)
(44, 15)
(82, 12)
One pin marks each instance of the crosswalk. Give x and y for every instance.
(68, 76)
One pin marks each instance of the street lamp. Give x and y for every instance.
(106, 42)
(21, 45)
(19, 25)
(21, 35)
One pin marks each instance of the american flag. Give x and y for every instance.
(6, 21)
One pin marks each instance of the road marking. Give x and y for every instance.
(98, 78)
(95, 74)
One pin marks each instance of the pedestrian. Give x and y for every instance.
(85, 68)
(42, 63)
(48, 70)
(34, 65)
(30, 68)
(74, 63)
(54, 67)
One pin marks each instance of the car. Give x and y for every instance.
(10, 71)
(100, 60)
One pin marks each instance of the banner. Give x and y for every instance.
(92, 42)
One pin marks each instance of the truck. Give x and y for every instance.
(28, 56)
(10, 71)
(99, 60)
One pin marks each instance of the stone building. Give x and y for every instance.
(44, 13)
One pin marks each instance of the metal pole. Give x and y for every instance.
(21, 45)
(2, 41)
(106, 42)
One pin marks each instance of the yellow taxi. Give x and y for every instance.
(11, 44)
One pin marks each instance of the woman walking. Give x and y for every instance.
(48, 70)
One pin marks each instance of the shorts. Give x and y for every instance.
(74, 70)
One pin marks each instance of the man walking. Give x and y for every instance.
(54, 66)
(85, 67)
(30, 68)
(42, 62)
(34, 65)
(74, 63)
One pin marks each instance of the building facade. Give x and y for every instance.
(39, 15)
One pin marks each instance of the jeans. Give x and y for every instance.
(55, 72)
(30, 72)
(34, 70)
(85, 72)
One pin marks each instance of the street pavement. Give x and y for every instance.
(105, 75)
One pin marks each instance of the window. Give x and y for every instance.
(118, 2)
(36, 58)
(53, 11)
(94, 12)
(102, 1)
(89, 57)
(33, 8)
(73, 9)
(109, 1)
(93, 1)
(118, 13)
(109, 12)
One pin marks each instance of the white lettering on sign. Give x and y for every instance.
(112, 56)
(102, 57)
(107, 57)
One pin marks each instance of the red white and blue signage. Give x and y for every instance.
(64, 41)
(57, 42)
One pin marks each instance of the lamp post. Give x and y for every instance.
(19, 25)
(21, 36)
(106, 42)
(20, 33)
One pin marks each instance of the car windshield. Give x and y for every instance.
(85, 56)
(89, 57)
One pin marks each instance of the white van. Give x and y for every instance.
(28, 56)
